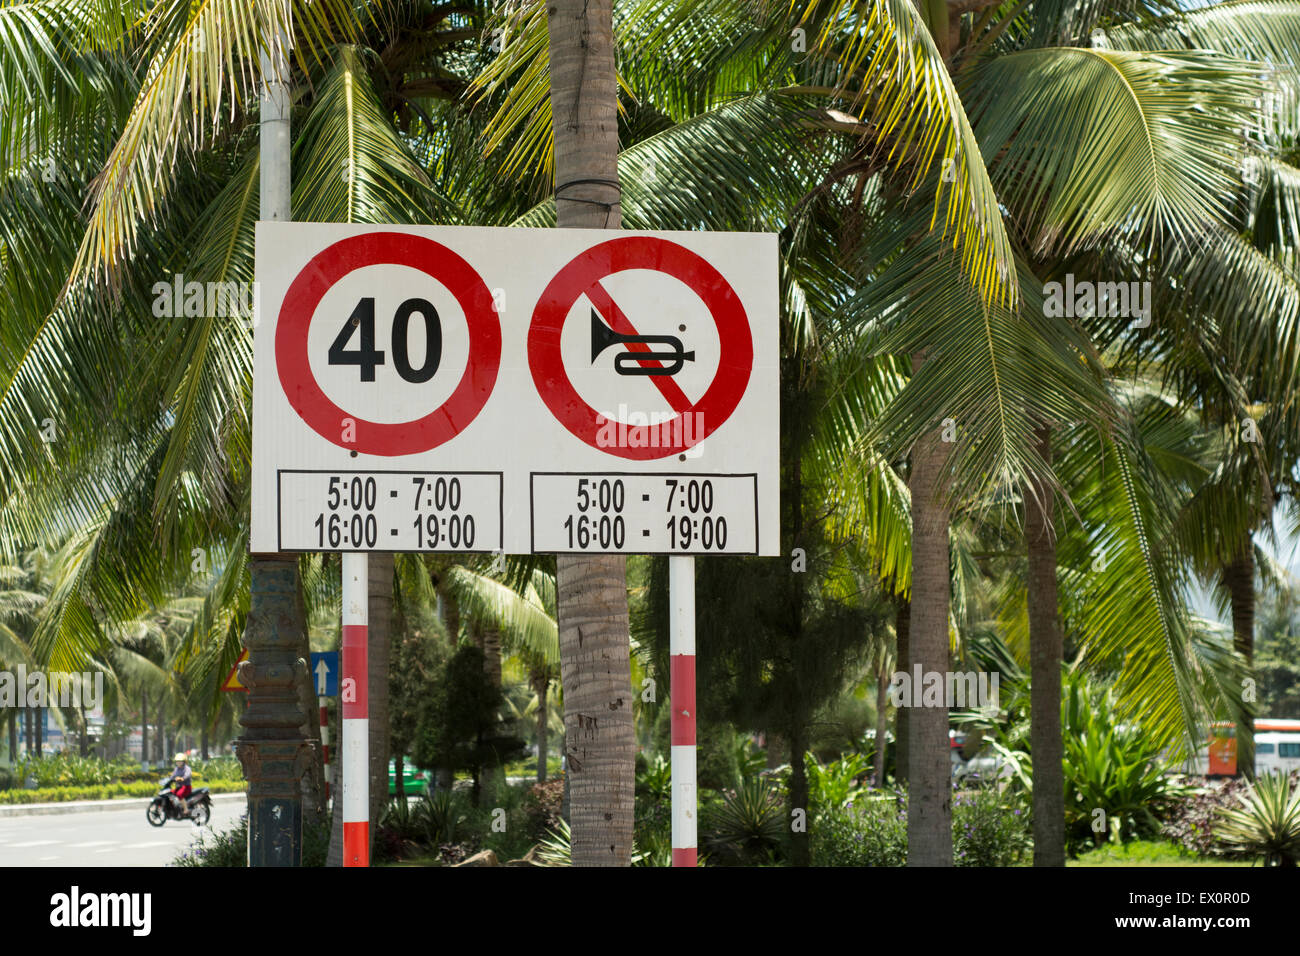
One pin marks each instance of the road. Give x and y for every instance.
(105, 837)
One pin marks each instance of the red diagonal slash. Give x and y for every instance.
(620, 323)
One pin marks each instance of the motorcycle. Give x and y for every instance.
(198, 806)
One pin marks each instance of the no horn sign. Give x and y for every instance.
(514, 390)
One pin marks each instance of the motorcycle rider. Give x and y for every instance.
(182, 790)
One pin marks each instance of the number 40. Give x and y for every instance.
(367, 357)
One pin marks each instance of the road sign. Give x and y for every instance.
(470, 389)
(232, 681)
(325, 672)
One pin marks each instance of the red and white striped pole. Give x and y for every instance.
(355, 780)
(325, 743)
(681, 676)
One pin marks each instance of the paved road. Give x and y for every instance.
(99, 837)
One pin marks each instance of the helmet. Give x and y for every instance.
(180, 758)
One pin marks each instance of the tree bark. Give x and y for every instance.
(903, 655)
(144, 726)
(800, 848)
(1046, 653)
(882, 723)
(1239, 579)
(203, 742)
(592, 591)
(929, 815)
(541, 685)
(489, 641)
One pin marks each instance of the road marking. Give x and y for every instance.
(44, 858)
(145, 846)
(33, 843)
(78, 846)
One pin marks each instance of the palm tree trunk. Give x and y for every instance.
(800, 847)
(595, 664)
(882, 721)
(377, 648)
(540, 685)
(1239, 579)
(203, 742)
(929, 815)
(144, 726)
(903, 656)
(39, 721)
(1046, 657)
(489, 641)
(450, 613)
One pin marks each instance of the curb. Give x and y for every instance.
(75, 806)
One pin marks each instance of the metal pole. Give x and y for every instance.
(353, 699)
(274, 170)
(681, 676)
(325, 744)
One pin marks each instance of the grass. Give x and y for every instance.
(1147, 853)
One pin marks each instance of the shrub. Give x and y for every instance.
(230, 847)
(1266, 821)
(749, 827)
(107, 792)
(837, 784)
(542, 808)
(872, 831)
(988, 828)
(1109, 766)
(1192, 819)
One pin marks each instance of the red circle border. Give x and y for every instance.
(388, 439)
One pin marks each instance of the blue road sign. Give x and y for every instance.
(325, 673)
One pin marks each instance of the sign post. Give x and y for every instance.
(681, 670)
(561, 391)
(355, 708)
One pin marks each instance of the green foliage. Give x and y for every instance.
(1277, 655)
(556, 849)
(989, 828)
(1109, 766)
(1267, 821)
(462, 728)
(870, 832)
(225, 767)
(655, 782)
(750, 825)
(109, 791)
(835, 785)
(227, 848)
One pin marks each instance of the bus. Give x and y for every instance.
(1277, 747)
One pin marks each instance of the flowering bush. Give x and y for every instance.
(988, 828)
(872, 831)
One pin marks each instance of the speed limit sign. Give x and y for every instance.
(422, 388)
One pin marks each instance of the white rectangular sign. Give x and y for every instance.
(442, 388)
